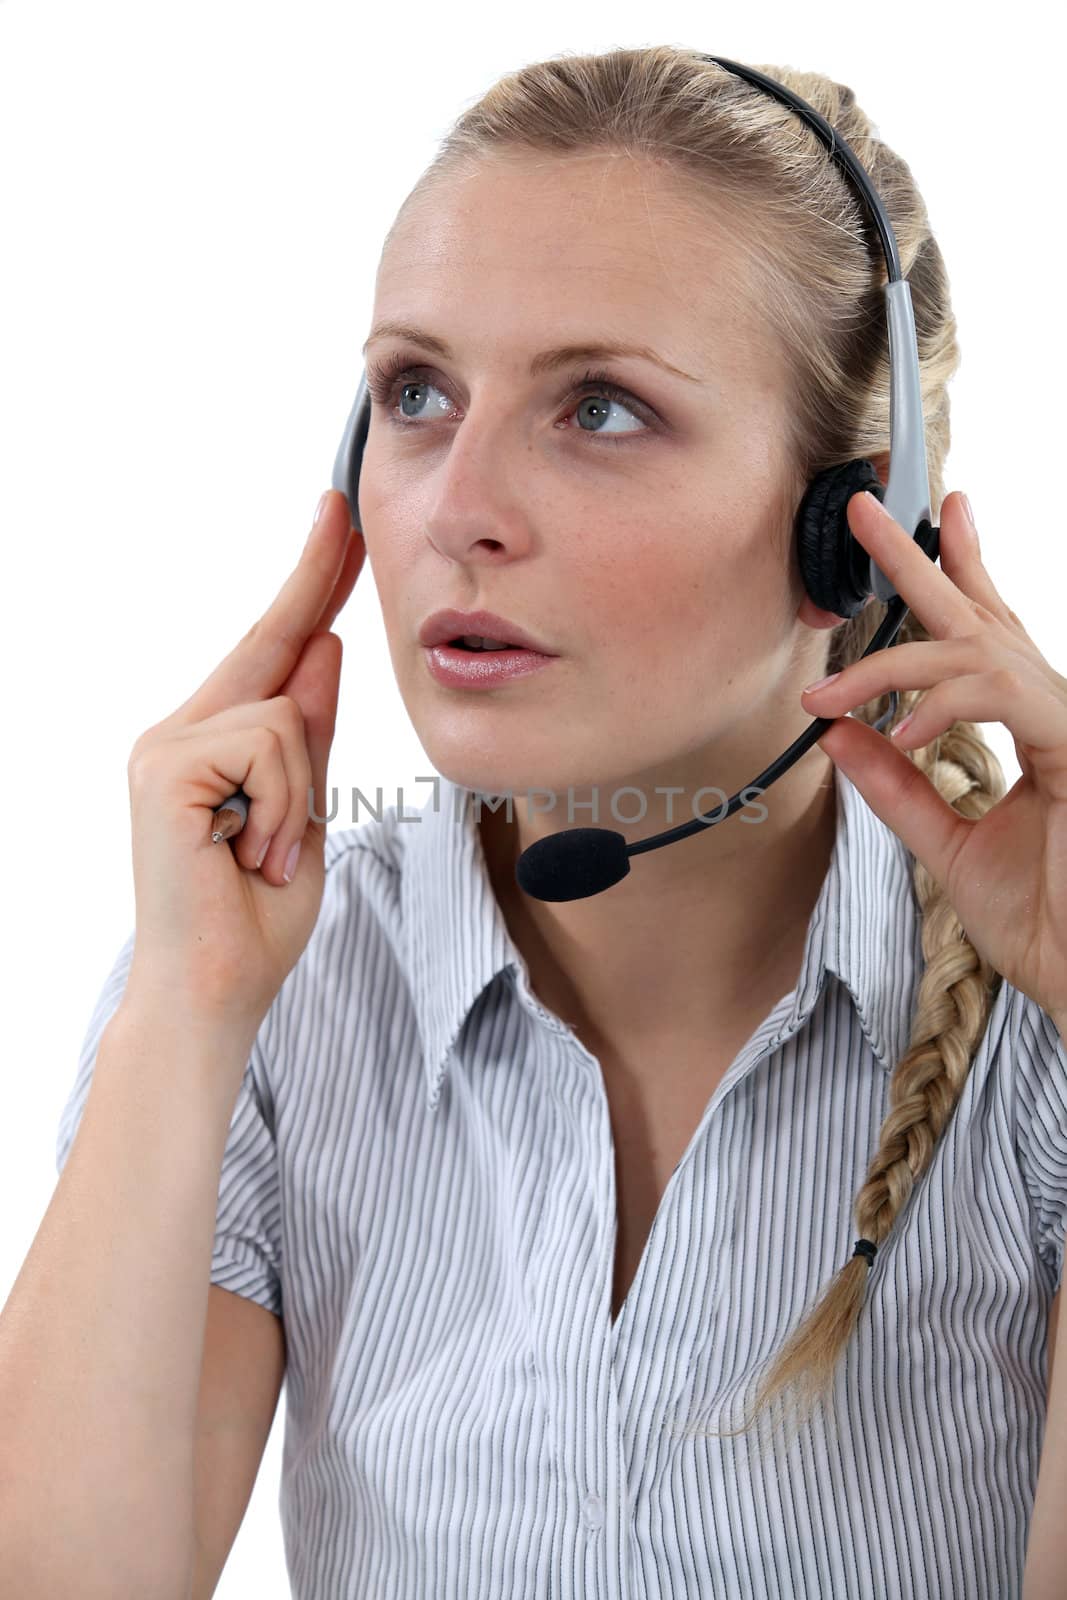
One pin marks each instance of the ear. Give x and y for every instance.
(812, 616)
(881, 466)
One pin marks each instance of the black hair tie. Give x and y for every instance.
(865, 1247)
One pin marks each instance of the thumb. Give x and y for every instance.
(899, 793)
(314, 684)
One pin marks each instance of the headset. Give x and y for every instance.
(837, 572)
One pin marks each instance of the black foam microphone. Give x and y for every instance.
(580, 862)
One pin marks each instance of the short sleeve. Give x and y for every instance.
(1040, 1078)
(246, 1257)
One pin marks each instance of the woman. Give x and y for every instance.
(538, 1186)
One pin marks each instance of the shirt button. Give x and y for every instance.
(593, 1511)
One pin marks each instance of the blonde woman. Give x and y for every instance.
(542, 1209)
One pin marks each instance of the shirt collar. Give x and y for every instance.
(458, 940)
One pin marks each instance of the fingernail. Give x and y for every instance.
(290, 862)
(319, 509)
(970, 514)
(876, 500)
(811, 688)
(893, 732)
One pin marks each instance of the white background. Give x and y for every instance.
(194, 199)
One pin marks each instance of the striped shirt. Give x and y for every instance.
(419, 1178)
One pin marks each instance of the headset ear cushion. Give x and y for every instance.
(834, 566)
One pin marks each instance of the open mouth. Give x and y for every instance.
(455, 664)
(473, 643)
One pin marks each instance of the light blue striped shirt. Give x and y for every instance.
(419, 1177)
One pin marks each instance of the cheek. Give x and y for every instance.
(653, 627)
(674, 622)
(390, 516)
(665, 596)
(391, 554)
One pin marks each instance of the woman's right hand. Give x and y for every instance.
(216, 935)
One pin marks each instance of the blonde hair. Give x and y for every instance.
(817, 268)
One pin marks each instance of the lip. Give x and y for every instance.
(442, 626)
(466, 669)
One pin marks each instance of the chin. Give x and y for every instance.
(490, 761)
(483, 778)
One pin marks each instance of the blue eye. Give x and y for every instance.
(385, 380)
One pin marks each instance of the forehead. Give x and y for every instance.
(604, 242)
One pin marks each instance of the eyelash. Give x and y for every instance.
(383, 381)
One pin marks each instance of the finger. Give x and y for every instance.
(315, 685)
(258, 666)
(916, 665)
(943, 611)
(285, 718)
(1033, 715)
(279, 825)
(346, 581)
(900, 794)
(961, 560)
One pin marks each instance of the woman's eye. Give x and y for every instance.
(595, 397)
(592, 401)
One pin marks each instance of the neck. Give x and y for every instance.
(697, 932)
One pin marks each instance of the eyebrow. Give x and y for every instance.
(548, 360)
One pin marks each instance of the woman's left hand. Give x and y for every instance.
(1006, 874)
